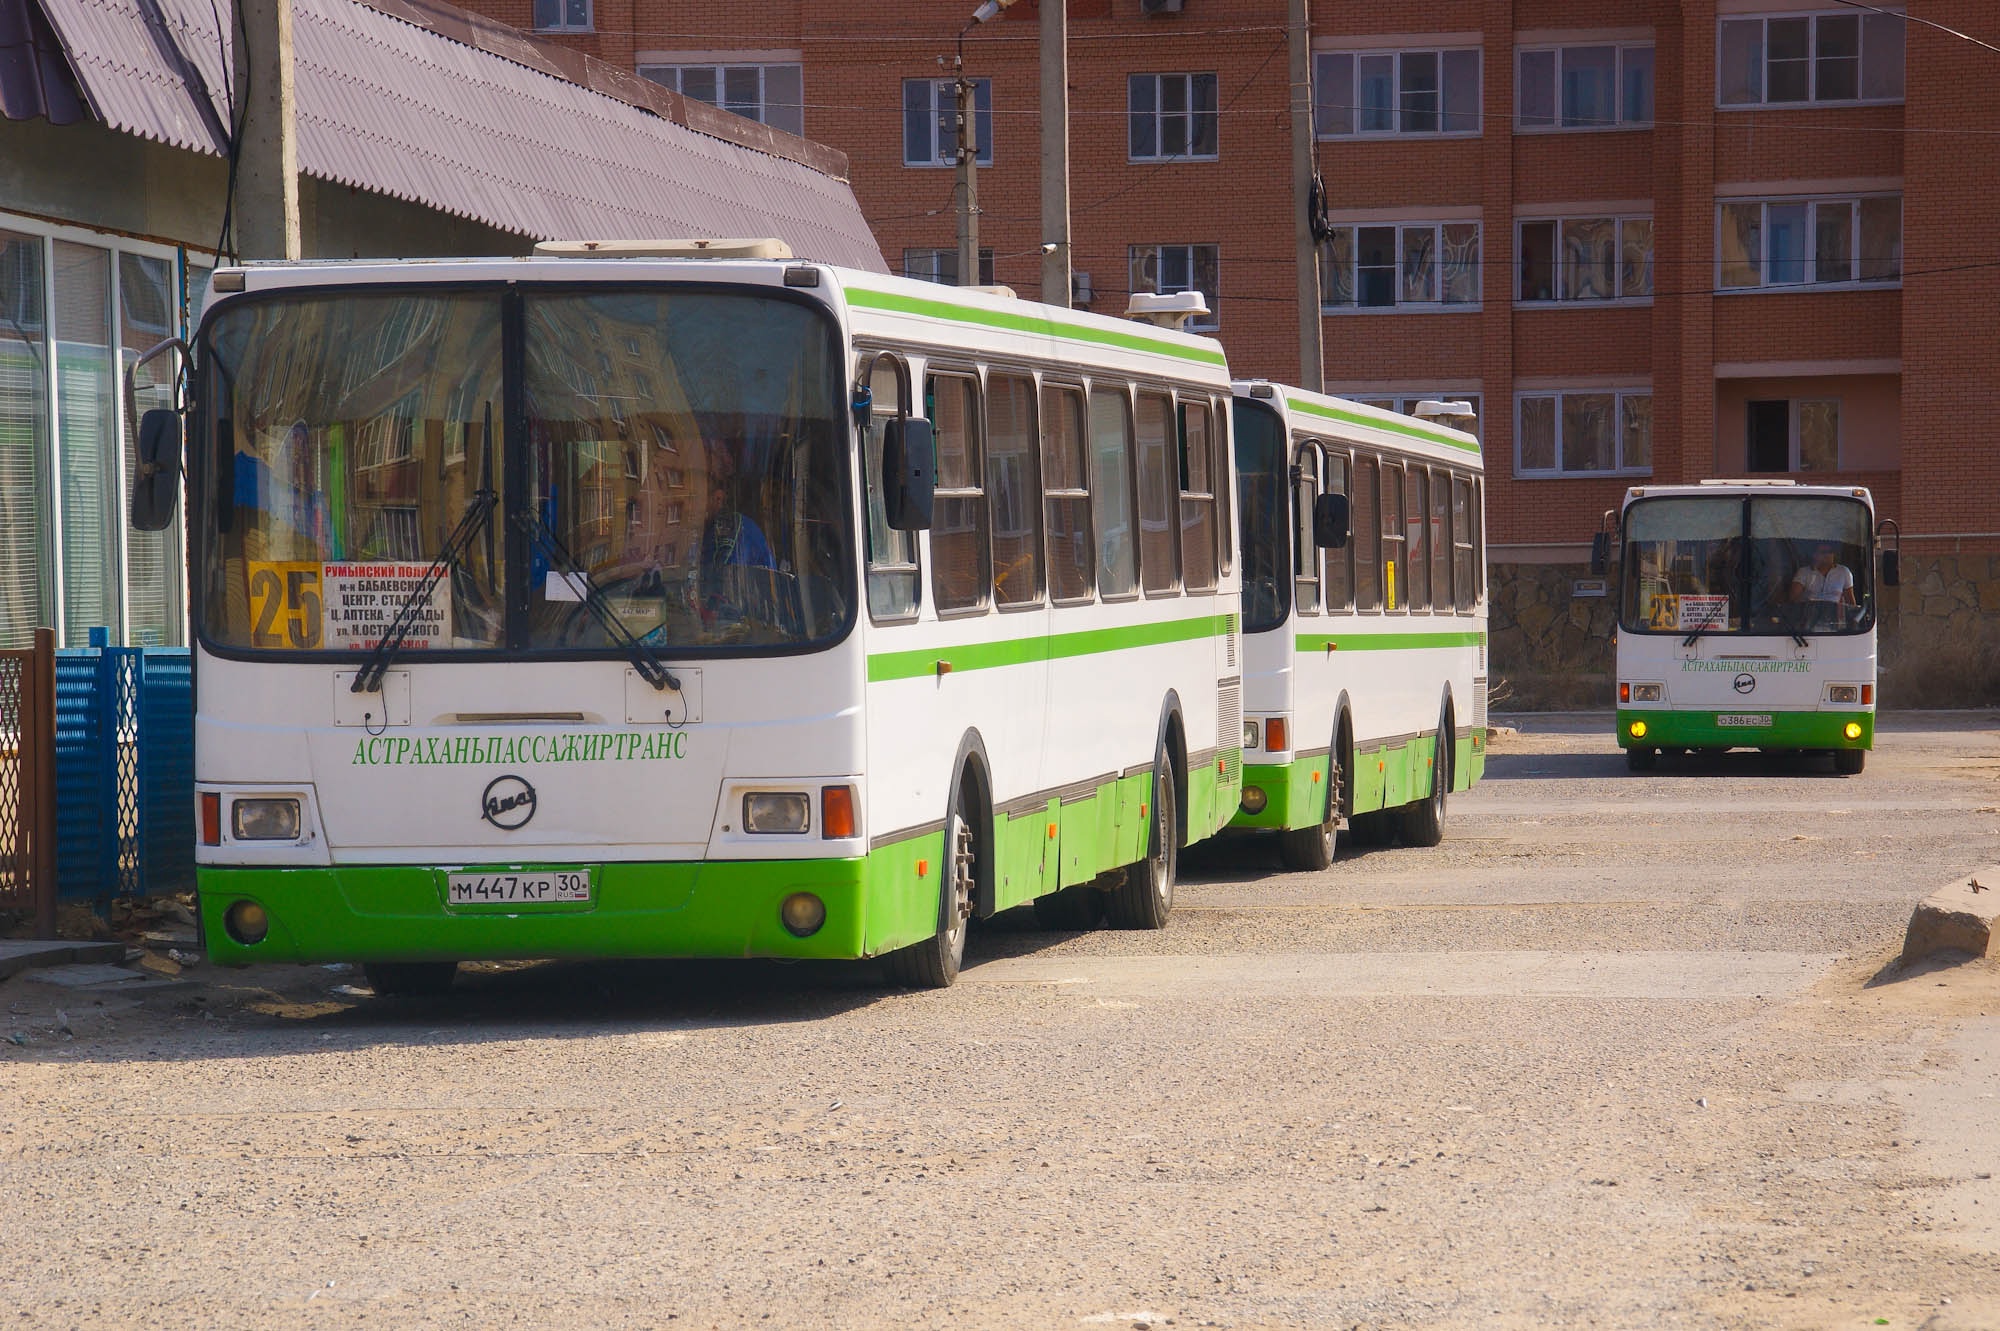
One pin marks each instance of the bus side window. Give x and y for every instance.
(1462, 552)
(1197, 498)
(1013, 485)
(1159, 556)
(1395, 594)
(1479, 539)
(1111, 492)
(1223, 469)
(1305, 555)
(1339, 563)
(1417, 540)
(1441, 540)
(894, 578)
(1367, 542)
(1066, 494)
(960, 568)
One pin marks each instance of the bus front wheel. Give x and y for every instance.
(1146, 897)
(1641, 760)
(934, 963)
(1307, 849)
(393, 979)
(1849, 762)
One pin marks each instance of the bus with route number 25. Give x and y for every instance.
(634, 604)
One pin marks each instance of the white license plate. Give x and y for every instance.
(1744, 719)
(499, 889)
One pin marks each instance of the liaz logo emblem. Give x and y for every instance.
(509, 802)
(1744, 683)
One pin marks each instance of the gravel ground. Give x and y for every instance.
(1623, 1052)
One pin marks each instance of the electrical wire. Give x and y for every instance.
(1928, 23)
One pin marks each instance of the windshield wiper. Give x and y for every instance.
(478, 513)
(643, 658)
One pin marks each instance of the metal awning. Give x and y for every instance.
(424, 102)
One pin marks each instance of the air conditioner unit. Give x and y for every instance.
(1080, 290)
(1159, 6)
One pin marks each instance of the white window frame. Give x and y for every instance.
(1812, 59)
(944, 101)
(180, 258)
(1809, 282)
(1620, 123)
(589, 23)
(936, 254)
(1357, 54)
(1200, 323)
(672, 73)
(1399, 305)
(1159, 117)
(1558, 472)
(1792, 465)
(1560, 301)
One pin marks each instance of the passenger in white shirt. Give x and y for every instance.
(1825, 584)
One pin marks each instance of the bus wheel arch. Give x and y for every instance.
(1313, 847)
(1173, 739)
(972, 768)
(934, 962)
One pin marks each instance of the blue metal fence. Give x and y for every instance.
(124, 771)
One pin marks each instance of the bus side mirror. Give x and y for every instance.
(1600, 553)
(909, 473)
(1332, 521)
(1892, 568)
(157, 488)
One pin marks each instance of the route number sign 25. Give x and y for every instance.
(285, 604)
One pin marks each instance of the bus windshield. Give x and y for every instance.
(1735, 564)
(677, 455)
(1262, 514)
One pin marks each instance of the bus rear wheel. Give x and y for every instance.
(934, 963)
(1641, 760)
(1422, 823)
(394, 979)
(1849, 762)
(1075, 909)
(1146, 897)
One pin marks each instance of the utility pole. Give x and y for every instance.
(267, 161)
(1312, 347)
(968, 177)
(1055, 154)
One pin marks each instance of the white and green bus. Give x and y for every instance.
(587, 606)
(1364, 619)
(1746, 619)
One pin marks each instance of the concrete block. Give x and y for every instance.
(23, 954)
(1958, 917)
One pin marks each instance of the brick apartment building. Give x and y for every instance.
(1652, 239)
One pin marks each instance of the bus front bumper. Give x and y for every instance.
(1745, 729)
(713, 908)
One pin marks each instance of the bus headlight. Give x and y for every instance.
(783, 814)
(1254, 800)
(1250, 732)
(1646, 692)
(1637, 730)
(1848, 693)
(264, 820)
(1852, 730)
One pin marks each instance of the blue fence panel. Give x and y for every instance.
(124, 772)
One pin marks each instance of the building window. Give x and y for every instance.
(1792, 435)
(1809, 242)
(563, 16)
(1400, 266)
(1172, 268)
(1170, 115)
(1396, 92)
(1789, 59)
(1584, 87)
(771, 95)
(930, 121)
(941, 265)
(1584, 432)
(1582, 259)
(1406, 404)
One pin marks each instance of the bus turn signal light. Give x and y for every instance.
(1275, 737)
(836, 812)
(1867, 695)
(1624, 692)
(211, 818)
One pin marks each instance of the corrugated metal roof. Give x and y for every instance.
(35, 80)
(421, 106)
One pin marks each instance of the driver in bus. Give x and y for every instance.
(1825, 586)
(730, 539)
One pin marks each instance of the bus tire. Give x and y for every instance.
(1422, 823)
(395, 979)
(1146, 896)
(1309, 849)
(1075, 909)
(934, 963)
(1849, 762)
(1371, 829)
(1641, 760)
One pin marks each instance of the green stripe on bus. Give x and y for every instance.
(1027, 651)
(1384, 642)
(1029, 323)
(1409, 428)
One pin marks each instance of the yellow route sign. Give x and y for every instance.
(285, 604)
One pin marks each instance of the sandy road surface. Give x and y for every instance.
(1617, 1055)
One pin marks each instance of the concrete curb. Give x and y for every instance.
(21, 954)
(1958, 917)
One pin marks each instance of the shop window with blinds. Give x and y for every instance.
(961, 572)
(1014, 489)
(86, 415)
(1417, 540)
(1395, 574)
(894, 576)
(1366, 524)
(1159, 557)
(1198, 555)
(1066, 496)
(1111, 500)
(26, 597)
